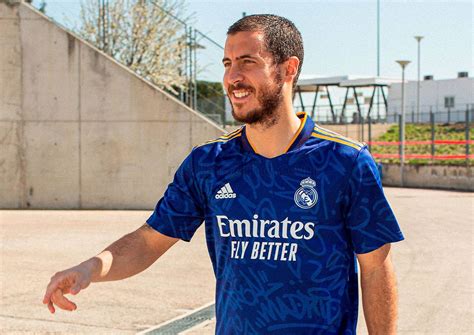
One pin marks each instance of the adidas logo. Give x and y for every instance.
(226, 192)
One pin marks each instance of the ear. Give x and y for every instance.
(292, 66)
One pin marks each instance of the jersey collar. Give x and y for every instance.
(302, 134)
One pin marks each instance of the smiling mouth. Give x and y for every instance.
(240, 94)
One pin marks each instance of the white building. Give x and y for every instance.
(447, 98)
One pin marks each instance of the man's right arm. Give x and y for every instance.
(124, 258)
(130, 255)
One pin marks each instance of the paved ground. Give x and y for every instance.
(434, 267)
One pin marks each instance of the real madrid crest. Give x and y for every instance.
(306, 196)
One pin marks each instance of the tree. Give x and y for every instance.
(42, 5)
(142, 34)
(210, 90)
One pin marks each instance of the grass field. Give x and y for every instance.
(421, 132)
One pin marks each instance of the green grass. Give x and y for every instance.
(416, 132)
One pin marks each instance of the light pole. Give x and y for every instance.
(403, 64)
(418, 39)
(378, 60)
(378, 38)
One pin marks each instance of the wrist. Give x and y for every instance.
(93, 268)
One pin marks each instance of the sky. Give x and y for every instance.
(340, 37)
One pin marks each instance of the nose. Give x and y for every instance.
(233, 75)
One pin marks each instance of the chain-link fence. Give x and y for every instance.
(444, 137)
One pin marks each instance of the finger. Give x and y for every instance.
(52, 286)
(67, 306)
(51, 307)
(62, 302)
(76, 289)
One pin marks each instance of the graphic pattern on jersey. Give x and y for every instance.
(282, 233)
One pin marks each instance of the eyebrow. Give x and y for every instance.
(238, 58)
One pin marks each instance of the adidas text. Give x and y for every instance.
(226, 196)
(226, 192)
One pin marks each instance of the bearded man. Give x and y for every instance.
(288, 208)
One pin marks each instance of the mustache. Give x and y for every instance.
(239, 86)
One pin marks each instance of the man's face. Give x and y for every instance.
(252, 81)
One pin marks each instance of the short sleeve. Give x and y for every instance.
(369, 218)
(179, 213)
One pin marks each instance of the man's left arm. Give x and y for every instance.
(379, 291)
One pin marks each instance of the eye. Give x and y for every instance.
(248, 61)
(226, 64)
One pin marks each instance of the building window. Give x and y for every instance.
(448, 102)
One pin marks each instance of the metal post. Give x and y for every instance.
(314, 102)
(403, 64)
(449, 115)
(186, 65)
(334, 118)
(369, 122)
(378, 103)
(180, 72)
(418, 39)
(362, 128)
(402, 126)
(371, 101)
(190, 67)
(432, 122)
(384, 99)
(195, 47)
(378, 38)
(378, 60)
(357, 103)
(401, 144)
(468, 133)
(343, 111)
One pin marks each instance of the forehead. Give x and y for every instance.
(245, 43)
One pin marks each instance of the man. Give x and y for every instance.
(287, 206)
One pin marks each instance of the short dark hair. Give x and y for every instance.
(281, 37)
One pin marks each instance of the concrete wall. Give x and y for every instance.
(79, 130)
(459, 178)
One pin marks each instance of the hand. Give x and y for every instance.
(71, 281)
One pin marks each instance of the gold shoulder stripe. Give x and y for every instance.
(330, 133)
(229, 137)
(232, 133)
(338, 140)
(220, 140)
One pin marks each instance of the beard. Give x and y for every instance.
(269, 100)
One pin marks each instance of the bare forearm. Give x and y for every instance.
(379, 298)
(124, 258)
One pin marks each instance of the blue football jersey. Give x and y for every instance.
(282, 233)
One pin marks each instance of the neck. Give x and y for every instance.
(274, 140)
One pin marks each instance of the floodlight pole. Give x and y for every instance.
(378, 60)
(418, 39)
(403, 64)
(378, 38)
